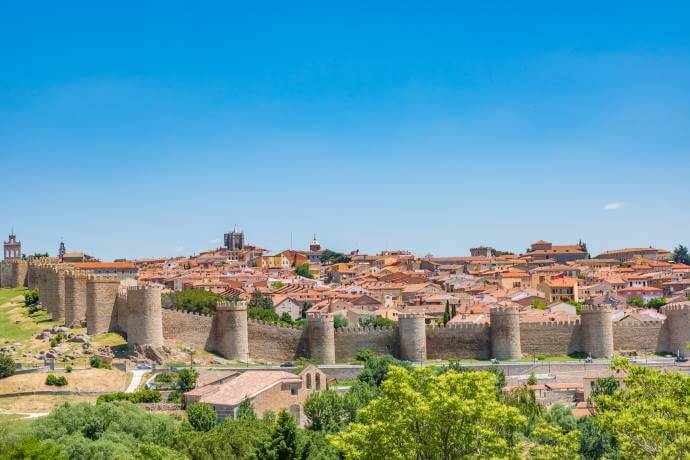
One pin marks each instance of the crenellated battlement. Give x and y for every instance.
(501, 310)
(637, 323)
(227, 305)
(673, 307)
(589, 308)
(365, 330)
(410, 316)
(547, 324)
(92, 278)
(462, 326)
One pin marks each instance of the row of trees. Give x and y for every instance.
(194, 300)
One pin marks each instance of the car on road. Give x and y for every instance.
(142, 366)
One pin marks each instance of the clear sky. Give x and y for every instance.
(137, 131)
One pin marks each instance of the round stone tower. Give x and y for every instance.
(57, 289)
(232, 337)
(678, 327)
(75, 298)
(321, 335)
(412, 330)
(101, 294)
(144, 317)
(597, 330)
(505, 333)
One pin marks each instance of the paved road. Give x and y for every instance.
(137, 375)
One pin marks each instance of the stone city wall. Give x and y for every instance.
(350, 340)
(469, 341)
(138, 313)
(550, 338)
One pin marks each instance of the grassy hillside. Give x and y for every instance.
(16, 325)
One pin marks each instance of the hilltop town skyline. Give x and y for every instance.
(218, 243)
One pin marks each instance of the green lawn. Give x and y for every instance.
(12, 310)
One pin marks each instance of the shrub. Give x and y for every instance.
(186, 380)
(201, 416)
(98, 363)
(175, 397)
(68, 368)
(7, 366)
(53, 380)
(142, 396)
(166, 378)
(31, 297)
(340, 321)
(58, 338)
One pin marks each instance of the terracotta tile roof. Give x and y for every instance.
(97, 265)
(242, 386)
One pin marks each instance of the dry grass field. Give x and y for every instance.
(79, 380)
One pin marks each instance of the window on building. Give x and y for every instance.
(294, 391)
(308, 381)
(318, 381)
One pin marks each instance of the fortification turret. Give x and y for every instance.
(678, 327)
(412, 330)
(505, 333)
(13, 273)
(75, 298)
(144, 318)
(321, 335)
(232, 337)
(56, 289)
(597, 330)
(101, 294)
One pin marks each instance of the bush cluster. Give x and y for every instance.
(56, 381)
(141, 396)
(98, 363)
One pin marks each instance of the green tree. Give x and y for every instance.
(196, 300)
(31, 448)
(303, 270)
(525, 400)
(258, 299)
(532, 380)
(232, 439)
(453, 311)
(340, 321)
(375, 321)
(446, 313)
(186, 380)
(636, 301)
(201, 416)
(657, 303)
(103, 431)
(328, 257)
(325, 411)
(7, 366)
(277, 285)
(604, 386)
(538, 304)
(596, 441)
(283, 443)
(649, 414)
(245, 410)
(306, 306)
(376, 369)
(422, 416)
(681, 255)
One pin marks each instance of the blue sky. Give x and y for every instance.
(136, 131)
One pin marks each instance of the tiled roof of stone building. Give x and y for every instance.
(242, 386)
